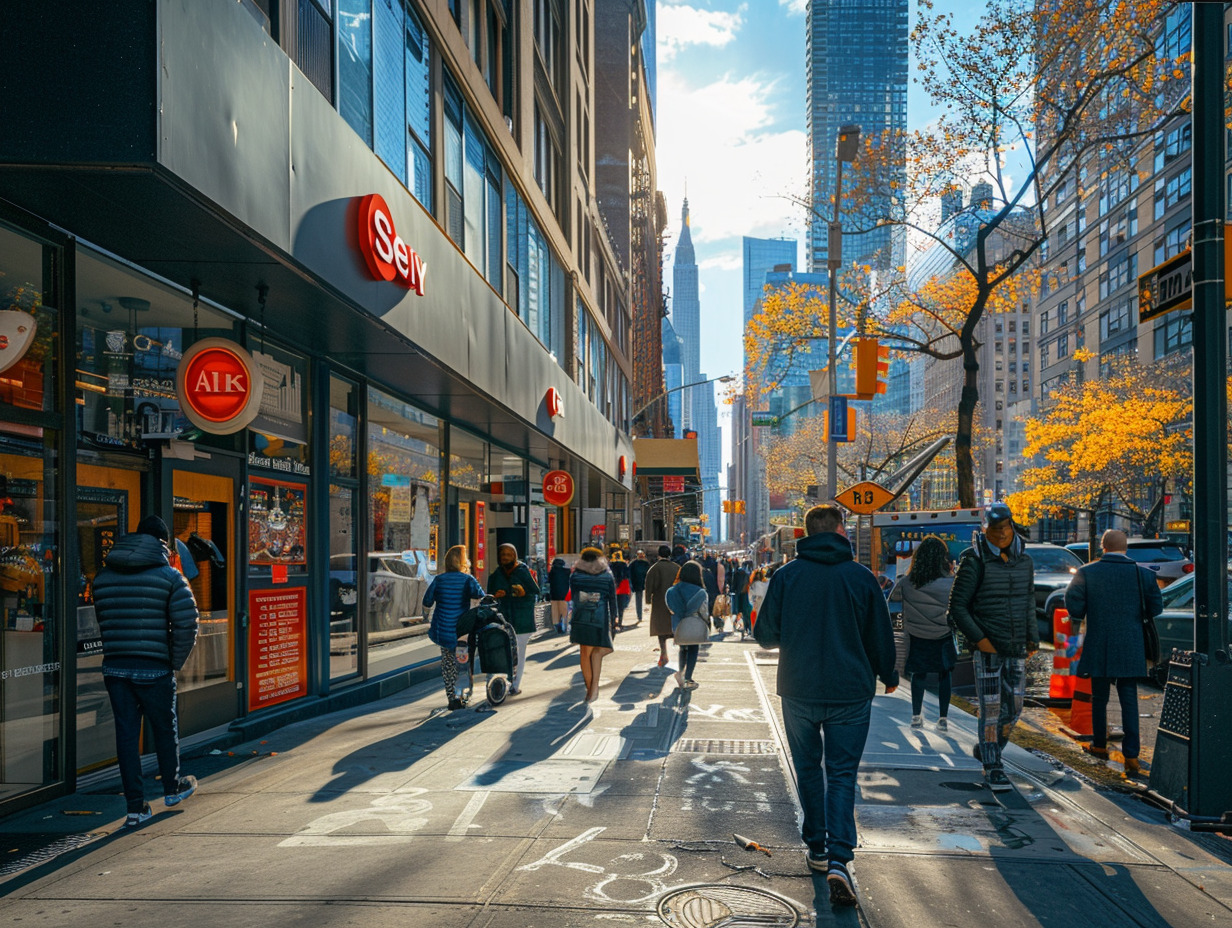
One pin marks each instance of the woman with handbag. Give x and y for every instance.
(925, 595)
(592, 589)
(690, 605)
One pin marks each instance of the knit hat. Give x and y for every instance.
(153, 525)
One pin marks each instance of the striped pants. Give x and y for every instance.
(1000, 684)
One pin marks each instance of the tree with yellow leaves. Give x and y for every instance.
(1110, 441)
(1031, 96)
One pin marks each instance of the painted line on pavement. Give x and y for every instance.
(461, 825)
(780, 737)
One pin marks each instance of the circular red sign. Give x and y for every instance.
(218, 386)
(558, 488)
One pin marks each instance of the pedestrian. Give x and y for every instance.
(624, 589)
(679, 555)
(148, 618)
(1110, 597)
(450, 594)
(739, 594)
(659, 579)
(638, 569)
(925, 595)
(558, 592)
(515, 591)
(992, 602)
(593, 591)
(710, 581)
(828, 618)
(688, 596)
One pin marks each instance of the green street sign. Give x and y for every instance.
(762, 420)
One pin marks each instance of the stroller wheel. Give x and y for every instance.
(498, 689)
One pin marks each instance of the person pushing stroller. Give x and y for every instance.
(487, 643)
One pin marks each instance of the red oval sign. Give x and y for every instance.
(558, 488)
(219, 386)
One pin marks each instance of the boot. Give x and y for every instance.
(1131, 767)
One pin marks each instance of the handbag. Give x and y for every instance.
(722, 606)
(624, 589)
(692, 629)
(1150, 634)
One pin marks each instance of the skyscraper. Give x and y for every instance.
(762, 255)
(856, 73)
(698, 411)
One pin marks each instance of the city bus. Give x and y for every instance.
(897, 534)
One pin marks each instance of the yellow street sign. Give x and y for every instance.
(865, 498)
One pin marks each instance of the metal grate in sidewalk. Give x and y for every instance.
(721, 746)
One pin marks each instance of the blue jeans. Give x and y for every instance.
(826, 742)
(637, 602)
(1127, 695)
(155, 700)
(688, 659)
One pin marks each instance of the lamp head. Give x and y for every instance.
(848, 142)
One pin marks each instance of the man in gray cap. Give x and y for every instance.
(992, 603)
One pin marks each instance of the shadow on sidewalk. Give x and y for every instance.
(566, 716)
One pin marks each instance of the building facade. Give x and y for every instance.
(317, 288)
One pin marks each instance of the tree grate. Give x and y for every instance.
(722, 746)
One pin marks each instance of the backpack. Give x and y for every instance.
(586, 610)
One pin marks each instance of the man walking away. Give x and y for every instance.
(1110, 595)
(992, 602)
(828, 618)
(516, 592)
(637, 579)
(558, 594)
(148, 619)
(659, 578)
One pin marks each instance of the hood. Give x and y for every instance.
(136, 552)
(824, 548)
(597, 566)
(559, 562)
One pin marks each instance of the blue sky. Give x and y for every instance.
(731, 131)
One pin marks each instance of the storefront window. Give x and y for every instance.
(343, 537)
(28, 327)
(33, 619)
(278, 436)
(404, 518)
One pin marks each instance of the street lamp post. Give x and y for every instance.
(726, 378)
(848, 145)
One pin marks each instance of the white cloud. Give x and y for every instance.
(720, 141)
(723, 261)
(679, 26)
(795, 7)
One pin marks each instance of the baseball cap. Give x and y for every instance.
(997, 512)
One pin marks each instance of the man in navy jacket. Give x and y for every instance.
(148, 619)
(828, 617)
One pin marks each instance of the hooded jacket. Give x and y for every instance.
(828, 617)
(685, 598)
(144, 607)
(595, 577)
(558, 580)
(519, 610)
(995, 599)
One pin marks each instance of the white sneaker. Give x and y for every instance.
(943, 724)
(917, 721)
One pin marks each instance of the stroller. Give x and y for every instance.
(492, 643)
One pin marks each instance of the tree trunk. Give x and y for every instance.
(963, 460)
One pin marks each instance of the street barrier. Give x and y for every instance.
(1061, 684)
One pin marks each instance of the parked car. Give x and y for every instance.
(1166, 558)
(1176, 622)
(397, 581)
(1054, 568)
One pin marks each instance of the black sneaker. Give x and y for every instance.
(133, 819)
(187, 786)
(841, 890)
(997, 781)
(456, 704)
(817, 861)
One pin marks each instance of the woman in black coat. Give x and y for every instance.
(558, 594)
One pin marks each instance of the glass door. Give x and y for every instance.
(203, 523)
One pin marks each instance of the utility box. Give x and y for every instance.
(1192, 751)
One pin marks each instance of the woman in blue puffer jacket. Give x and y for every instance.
(452, 594)
(688, 594)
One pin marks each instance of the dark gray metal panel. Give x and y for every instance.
(224, 95)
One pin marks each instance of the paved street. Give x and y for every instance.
(544, 813)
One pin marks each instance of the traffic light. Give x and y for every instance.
(872, 366)
(740, 506)
(727, 506)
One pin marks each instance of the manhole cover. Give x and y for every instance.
(709, 906)
(722, 746)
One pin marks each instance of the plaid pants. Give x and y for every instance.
(1000, 684)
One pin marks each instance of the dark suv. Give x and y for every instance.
(1054, 568)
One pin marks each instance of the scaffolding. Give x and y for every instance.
(648, 220)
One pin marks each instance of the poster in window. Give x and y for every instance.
(277, 646)
(277, 523)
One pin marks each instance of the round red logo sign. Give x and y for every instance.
(558, 488)
(219, 386)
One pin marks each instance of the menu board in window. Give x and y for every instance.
(277, 523)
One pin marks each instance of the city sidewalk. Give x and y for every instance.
(548, 813)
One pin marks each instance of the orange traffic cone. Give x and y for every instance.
(1080, 709)
(1061, 684)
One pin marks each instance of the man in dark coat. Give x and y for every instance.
(638, 569)
(829, 620)
(148, 619)
(558, 594)
(992, 602)
(516, 593)
(1109, 595)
